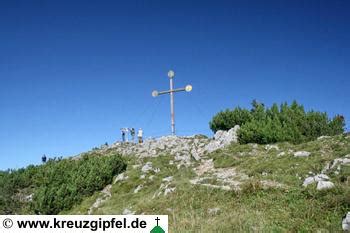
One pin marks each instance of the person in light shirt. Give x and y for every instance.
(140, 135)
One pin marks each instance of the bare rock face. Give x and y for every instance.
(271, 147)
(128, 212)
(308, 181)
(225, 178)
(223, 138)
(165, 188)
(341, 161)
(302, 154)
(324, 185)
(138, 188)
(322, 181)
(120, 177)
(323, 137)
(184, 148)
(346, 222)
(147, 167)
(105, 195)
(336, 164)
(169, 190)
(213, 211)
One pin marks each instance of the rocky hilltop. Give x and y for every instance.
(182, 148)
(249, 187)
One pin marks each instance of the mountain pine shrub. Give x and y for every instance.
(289, 123)
(58, 184)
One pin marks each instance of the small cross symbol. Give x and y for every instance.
(157, 219)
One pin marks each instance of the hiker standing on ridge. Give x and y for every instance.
(132, 132)
(43, 158)
(140, 135)
(123, 135)
(126, 130)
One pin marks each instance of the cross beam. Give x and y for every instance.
(188, 88)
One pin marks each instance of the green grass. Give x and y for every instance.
(254, 208)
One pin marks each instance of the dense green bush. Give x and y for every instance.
(57, 185)
(276, 124)
(227, 119)
(6, 190)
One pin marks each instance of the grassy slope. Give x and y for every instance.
(254, 208)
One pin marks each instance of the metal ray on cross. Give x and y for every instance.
(171, 91)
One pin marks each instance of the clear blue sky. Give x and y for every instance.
(73, 72)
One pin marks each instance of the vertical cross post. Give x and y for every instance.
(171, 91)
(172, 113)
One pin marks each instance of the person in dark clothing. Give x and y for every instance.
(123, 135)
(43, 158)
(132, 132)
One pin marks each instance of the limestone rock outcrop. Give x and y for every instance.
(183, 148)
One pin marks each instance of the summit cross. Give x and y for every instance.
(171, 91)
